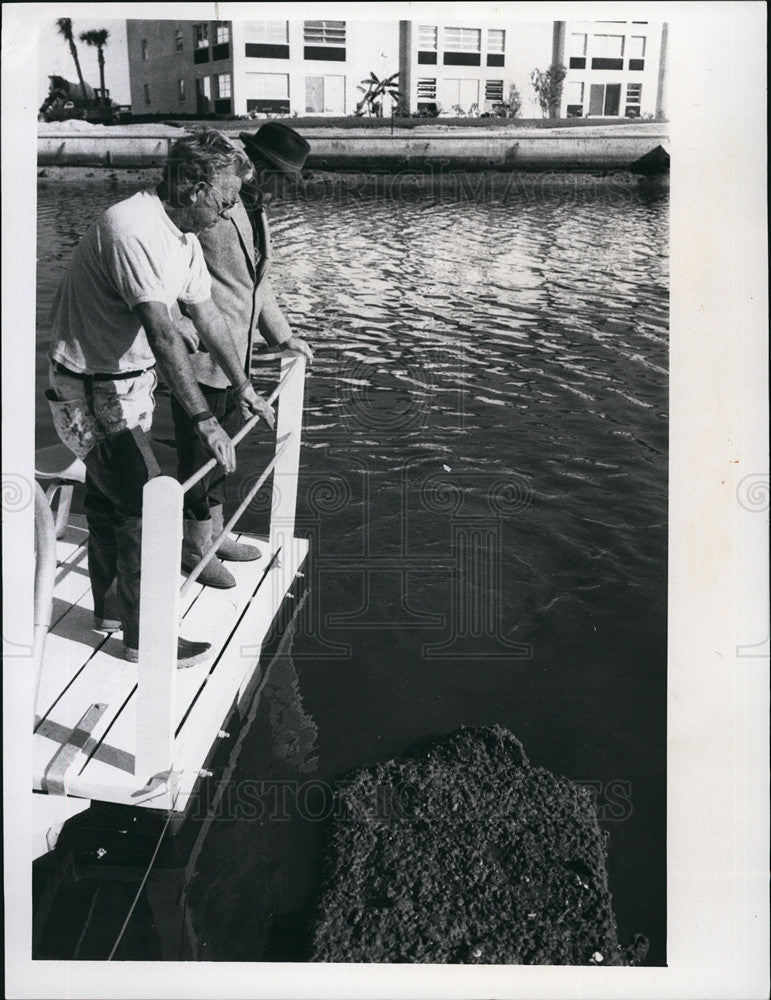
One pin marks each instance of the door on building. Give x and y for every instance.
(325, 95)
(267, 92)
(461, 93)
(203, 105)
(604, 99)
(469, 94)
(334, 95)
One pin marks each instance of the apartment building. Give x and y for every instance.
(237, 67)
(614, 67)
(469, 66)
(317, 67)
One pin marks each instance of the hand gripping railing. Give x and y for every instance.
(161, 596)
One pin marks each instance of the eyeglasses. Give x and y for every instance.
(225, 207)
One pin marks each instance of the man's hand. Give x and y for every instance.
(218, 443)
(300, 346)
(250, 402)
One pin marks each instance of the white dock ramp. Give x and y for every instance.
(140, 734)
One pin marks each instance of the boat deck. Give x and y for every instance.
(85, 736)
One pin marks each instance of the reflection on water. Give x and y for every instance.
(484, 486)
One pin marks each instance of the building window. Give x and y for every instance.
(324, 40)
(201, 45)
(496, 45)
(494, 91)
(427, 95)
(633, 100)
(144, 50)
(608, 52)
(224, 85)
(463, 39)
(146, 92)
(267, 39)
(575, 99)
(203, 95)
(267, 92)
(325, 94)
(179, 42)
(636, 51)
(604, 99)
(427, 89)
(577, 51)
(221, 47)
(462, 46)
(324, 33)
(427, 40)
(181, 89)
(427, 36)
(496, 40)
(267, 32)
(461, 95)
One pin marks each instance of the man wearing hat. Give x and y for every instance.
(237, 254)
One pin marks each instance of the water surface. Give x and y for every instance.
(484, 483)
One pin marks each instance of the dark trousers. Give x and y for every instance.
(116, 472)
(192, 453)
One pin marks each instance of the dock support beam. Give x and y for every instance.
(159, 607)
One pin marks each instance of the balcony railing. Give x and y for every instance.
(161, 594)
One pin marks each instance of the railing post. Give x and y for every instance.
(159, 605)
(288, 422)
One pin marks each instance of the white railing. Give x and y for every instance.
(161, 595)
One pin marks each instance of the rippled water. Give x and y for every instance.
(484, 482)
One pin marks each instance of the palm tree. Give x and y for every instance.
(64, 25)
(374, 92)
(98, 37)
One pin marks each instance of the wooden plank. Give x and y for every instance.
(70, 645)
(82, 667)
(102, 675)
(207, 619)
(105, 678)
(55, 777)
(102, 781)
(212, 616)
(237, 662)
(72, 585)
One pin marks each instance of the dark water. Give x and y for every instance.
(484, 482)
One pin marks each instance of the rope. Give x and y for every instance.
(141, 887)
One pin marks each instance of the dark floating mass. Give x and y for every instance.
(468, 854)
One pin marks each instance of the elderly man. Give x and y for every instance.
(237, 250)
(111, 325)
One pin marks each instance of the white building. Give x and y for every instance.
(278, 67)
(470, 66)
(614, 68)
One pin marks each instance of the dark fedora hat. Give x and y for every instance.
(279, 144)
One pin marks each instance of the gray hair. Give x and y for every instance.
(199, 155)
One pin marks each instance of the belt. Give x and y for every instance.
(98, 376)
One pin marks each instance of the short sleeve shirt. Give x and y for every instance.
(133, 253)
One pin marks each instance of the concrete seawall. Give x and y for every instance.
(423, 148)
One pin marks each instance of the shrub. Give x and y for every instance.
(548, 88)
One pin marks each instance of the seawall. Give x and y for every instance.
(424, 148)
